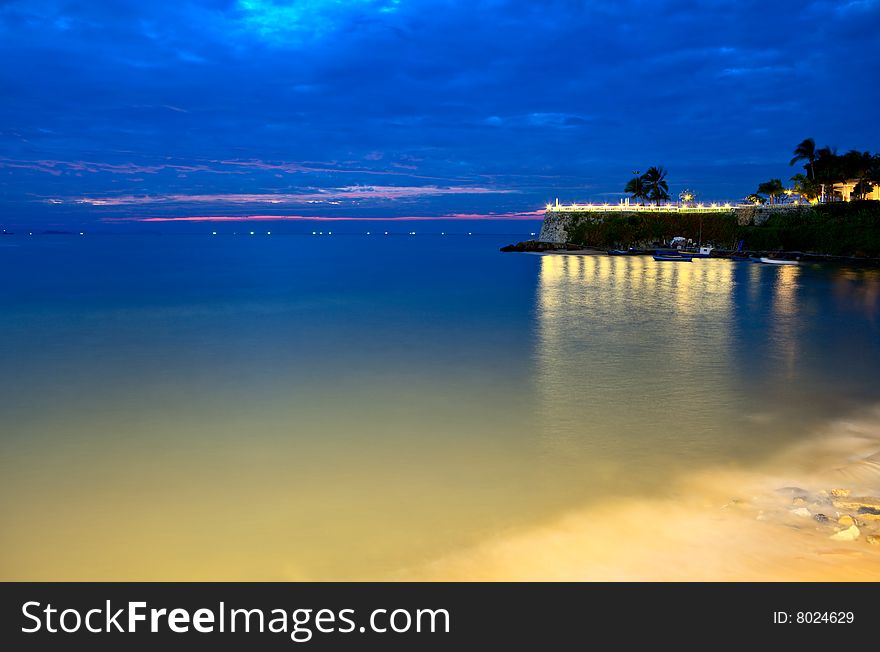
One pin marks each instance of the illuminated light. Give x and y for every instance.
(443, 233)
(714, 205)
(314, 233)
(726, 205)
(329, 232)
(549, 206)
(268, 233)
(531, 234)
(252, 232)
(320, 233)
(81, 233)
(469, 233)
(213, 233)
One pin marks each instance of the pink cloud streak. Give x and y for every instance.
(528, 215)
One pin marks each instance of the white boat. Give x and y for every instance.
(779, 261)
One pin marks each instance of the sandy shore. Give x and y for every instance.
(812, 513)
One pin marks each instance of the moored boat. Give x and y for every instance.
(778, 261)
(703, 252)
(672, 259)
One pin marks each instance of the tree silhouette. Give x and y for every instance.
(656, 185)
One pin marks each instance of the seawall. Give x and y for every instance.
(839, 228)
(636, 228)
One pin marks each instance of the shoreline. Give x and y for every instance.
(567, 249)
(811, 513)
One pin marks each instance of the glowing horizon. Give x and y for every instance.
(525, 216)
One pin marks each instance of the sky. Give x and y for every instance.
(124, 112)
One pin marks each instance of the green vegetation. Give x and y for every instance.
(838, 228)
(612, 230)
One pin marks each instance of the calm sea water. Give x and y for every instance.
(351, 406)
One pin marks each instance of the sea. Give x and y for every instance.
(390, 400)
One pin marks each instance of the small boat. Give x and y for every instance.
(704, 252)
(673, 259)
(618, 252)
(778, 261)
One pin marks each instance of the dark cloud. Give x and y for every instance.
(560, 98)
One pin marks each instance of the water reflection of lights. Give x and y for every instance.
(607, 321)
(786, 320)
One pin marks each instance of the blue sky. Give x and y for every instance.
(119, 111)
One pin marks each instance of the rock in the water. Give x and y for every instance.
(540, 246)
(873, 539)
(791, 491)
(821, 518)
(858, 503)
(846, 520)
(849, 534)
(798, 501)
(801, 511)
(840, 493)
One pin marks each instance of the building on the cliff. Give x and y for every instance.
(845, 190)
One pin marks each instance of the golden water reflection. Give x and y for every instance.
(631, 348)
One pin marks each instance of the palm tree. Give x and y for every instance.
(828, 170)
(859, 166)
(636, 188)
(771, 189)
(755, 198)
(805, 151)
(806, 188)
(656, 184)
